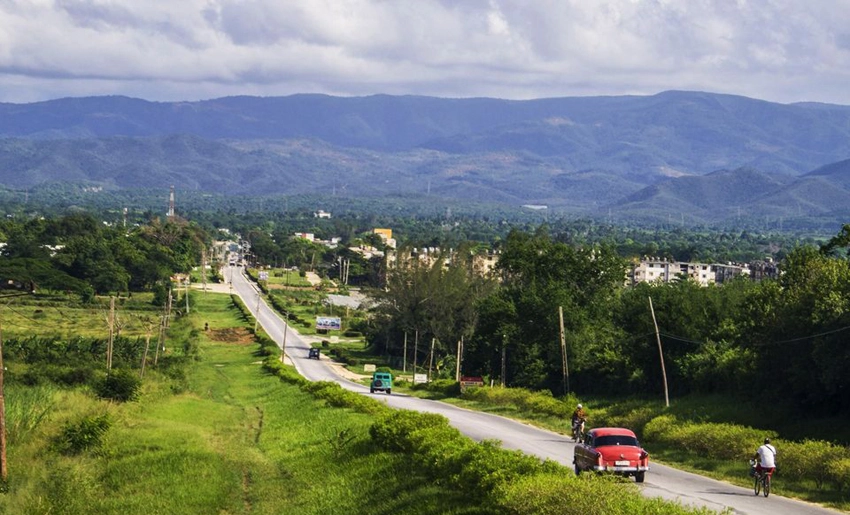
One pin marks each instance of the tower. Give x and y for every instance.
(171, 203)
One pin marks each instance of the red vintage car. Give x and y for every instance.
(612, 449)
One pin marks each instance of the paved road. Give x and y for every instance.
(661, 481)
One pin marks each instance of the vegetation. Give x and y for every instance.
(233, 440)
(787, 333)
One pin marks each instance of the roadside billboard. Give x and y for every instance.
(329, 323)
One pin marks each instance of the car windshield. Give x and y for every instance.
(602, 441)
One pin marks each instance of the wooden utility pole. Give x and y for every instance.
(504, 355)
(168, 308)
(257, 313)
(204, 268)
(431, 358)
(160, 341)
(4, 473)
(285, 330)
(660, 353)
(415, 349)
(459, 358)
(111, 321)
(564, 366)
(404, 359)
(145, 355)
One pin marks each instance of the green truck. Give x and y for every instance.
(381, 381)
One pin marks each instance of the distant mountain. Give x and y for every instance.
(701, 156)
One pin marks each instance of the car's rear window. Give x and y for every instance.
(601, 441)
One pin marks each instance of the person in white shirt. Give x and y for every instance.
(765, 457)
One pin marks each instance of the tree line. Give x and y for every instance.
(786, 334)
(80, 254)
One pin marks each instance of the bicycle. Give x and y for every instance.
(762, 480)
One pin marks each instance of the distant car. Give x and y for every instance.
(314, 353)
(381, 382)
(612, 449)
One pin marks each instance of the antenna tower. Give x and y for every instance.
(171, 203)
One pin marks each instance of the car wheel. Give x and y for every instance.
(640, 476)
(371, 390)
(378, 383)
(578, 470)
(389, 391)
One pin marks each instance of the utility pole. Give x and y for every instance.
(431, 358)
(4, 472)
(660, 353)
(404, 359)
(160, 340)
(145, 355)
(565, 368)
(111, 322)
(415, 350)
(204, 268)
(257, 313)
(285, 330)
(504, 354)
(459, 358)
(168, 308)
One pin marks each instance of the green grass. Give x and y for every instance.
(234, 440)
(287, 278)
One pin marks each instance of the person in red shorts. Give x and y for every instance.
(765, 457)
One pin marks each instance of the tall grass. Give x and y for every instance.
(26, 409)
(234, 439)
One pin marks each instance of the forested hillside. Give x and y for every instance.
(697, 157)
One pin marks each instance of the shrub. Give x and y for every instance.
(76, 376)
(809, 459)
(659, 429)
(82, 435)
(447, 387)
(840, 474)
(712, 440)
(120, 386)
(393, 431)
(551, 492)
(352, 334)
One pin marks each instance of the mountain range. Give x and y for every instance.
(694, 156)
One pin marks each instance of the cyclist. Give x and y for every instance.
(578, 419)
(765, 457)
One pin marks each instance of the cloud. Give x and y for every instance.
(780, 50)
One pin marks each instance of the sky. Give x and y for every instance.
(183, 50)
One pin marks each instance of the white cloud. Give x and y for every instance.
(781, 50)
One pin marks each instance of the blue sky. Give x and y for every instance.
(170, 50)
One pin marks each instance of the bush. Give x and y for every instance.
(82, 435)
(712, 440)
(352, 334)
(393, 431)
(120, 386)
(840, 474)
(809, 459)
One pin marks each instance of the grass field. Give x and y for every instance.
(64, 316)
(224, 439)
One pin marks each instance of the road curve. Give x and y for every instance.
(661, 481)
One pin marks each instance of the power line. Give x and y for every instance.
(779, 342)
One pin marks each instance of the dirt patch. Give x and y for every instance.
(234, 335)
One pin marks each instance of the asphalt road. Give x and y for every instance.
(661, 481)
